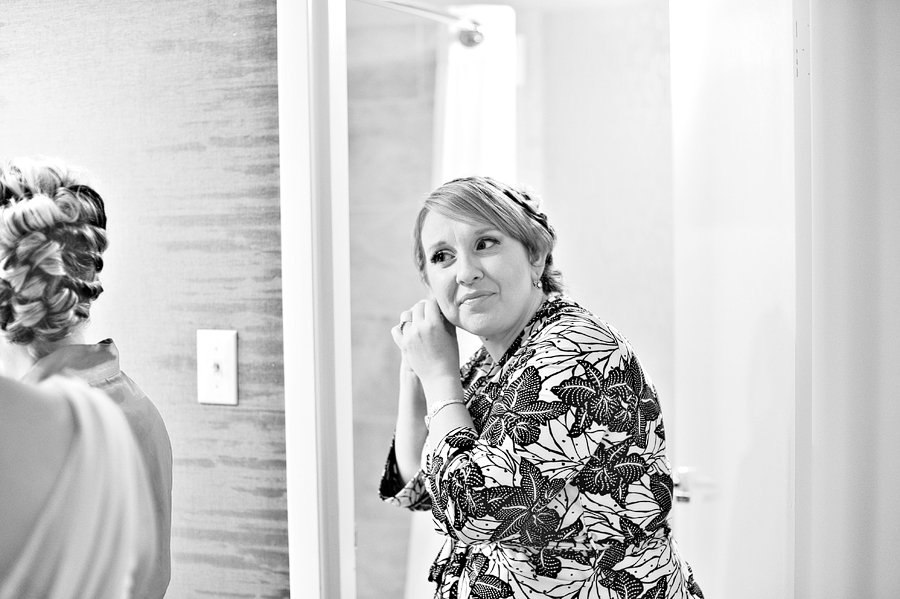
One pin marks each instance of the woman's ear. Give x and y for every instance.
(537, 265)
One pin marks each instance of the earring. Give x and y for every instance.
(536, 284)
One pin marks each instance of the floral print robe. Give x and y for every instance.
(562, 489)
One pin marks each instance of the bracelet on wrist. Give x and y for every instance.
(438, 406)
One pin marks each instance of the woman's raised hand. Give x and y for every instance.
(428, 342)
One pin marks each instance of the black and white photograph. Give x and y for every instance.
(421, 299)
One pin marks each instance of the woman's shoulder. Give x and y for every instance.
(100, 479)
(561, 316)
(565, 329)
(34, 419)
(36, 430)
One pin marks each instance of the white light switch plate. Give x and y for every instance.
(217, 367)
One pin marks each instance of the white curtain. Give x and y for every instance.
(475, 99)
(475, 134)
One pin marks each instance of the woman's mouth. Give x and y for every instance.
(474, 297)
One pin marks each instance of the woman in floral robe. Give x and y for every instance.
(544, 463)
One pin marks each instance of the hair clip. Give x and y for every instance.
(515, 196)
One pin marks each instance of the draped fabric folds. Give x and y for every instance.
(95, 535)
(98, 365)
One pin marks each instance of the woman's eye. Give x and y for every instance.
(439, 257)
(485, 243)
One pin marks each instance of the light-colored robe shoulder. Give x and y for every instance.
(95, 534)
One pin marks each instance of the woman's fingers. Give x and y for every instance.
(432, 312)
(406, 319)
(425, 341)
(418, 311)
(423, 318)
(397, 335)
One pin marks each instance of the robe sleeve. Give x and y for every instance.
(411, 494)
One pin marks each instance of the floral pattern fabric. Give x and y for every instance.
(562, 489)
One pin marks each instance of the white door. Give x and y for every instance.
(730, 410)
(735, 292)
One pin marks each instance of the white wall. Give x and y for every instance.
(173, 107)
(596, 133)
(856, 296)
(732, 110)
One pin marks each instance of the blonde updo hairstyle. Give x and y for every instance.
(514, 211)
(52, 237)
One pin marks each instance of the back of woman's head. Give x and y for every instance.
(52, 237)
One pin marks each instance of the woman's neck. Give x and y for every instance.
(17, 359)
(497, 346)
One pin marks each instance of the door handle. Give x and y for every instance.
(681, 482)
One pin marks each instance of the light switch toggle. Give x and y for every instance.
(217, 367)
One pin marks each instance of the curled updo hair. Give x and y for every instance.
(52, 237)
(483, 200)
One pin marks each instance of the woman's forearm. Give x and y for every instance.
(450, 416)
(410, 432)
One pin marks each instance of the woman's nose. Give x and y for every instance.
(468, 270)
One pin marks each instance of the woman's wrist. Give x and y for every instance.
(409, 377)
(411, 396)
(437, 406)
(441, 388)
(405, 368)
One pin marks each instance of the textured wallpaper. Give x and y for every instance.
(172, 106)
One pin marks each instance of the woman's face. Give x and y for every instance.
(480, 276)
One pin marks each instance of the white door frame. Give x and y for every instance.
(312, 91)
(801, 474)
(312, 110)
